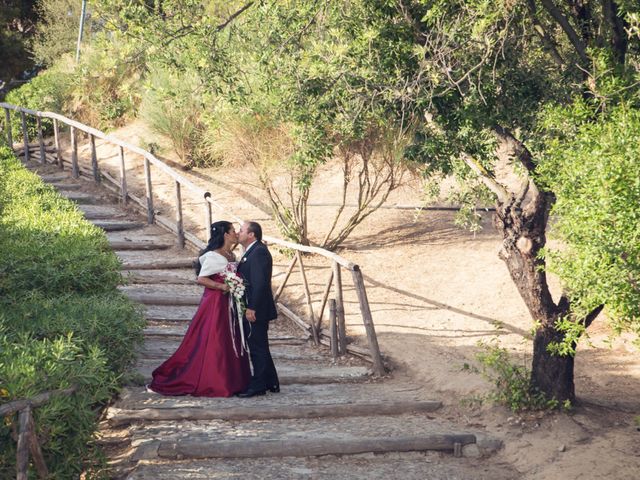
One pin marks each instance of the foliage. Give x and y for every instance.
(106, 84)
(49, 91)
(172, 104)
(592, 168)
(512, 382)
(62, 320)
(16, 27)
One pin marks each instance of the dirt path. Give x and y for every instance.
(435, 292)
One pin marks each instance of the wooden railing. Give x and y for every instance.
(335, 336)
(27, 438)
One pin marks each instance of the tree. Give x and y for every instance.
(489, 69)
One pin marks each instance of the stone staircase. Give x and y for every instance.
(331, 418)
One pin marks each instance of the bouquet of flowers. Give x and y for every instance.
(237, 305)
(236, 287)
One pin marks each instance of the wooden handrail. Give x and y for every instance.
(182, 235)
(27, 437)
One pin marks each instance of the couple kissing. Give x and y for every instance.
(225, 351)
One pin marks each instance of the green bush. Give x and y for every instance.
(173, 106)
(512, 383)
(62, 320)
(49, 91)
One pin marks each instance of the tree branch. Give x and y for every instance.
(521, 152)
(222, 26)
(619, 41)
(547, 41)
(588, 320)
(568, 29)
(486, 178)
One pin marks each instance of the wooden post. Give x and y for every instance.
(325, 295)
(286, 277)
(358, 282)
(123, 178)
(147, 179)
(7, 120)
(179, 223)
(22, 452)
(208, 215)
(75, 171)
(43, 159)
(312, 320)
(333, 331)
(56, 136)
(25, 136)
(94, 159)
(36, 452)
(342, 331)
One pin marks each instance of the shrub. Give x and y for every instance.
(172, 105)
(105, 90)
(512, 383)
(49, 91)
(62, 320)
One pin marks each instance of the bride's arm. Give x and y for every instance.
(207, 282)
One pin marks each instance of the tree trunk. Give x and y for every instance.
(552, 374)
(524, 235)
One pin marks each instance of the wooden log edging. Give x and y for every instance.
(308, 447)
(125, 417)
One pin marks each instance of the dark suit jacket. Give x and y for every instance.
(255, 267)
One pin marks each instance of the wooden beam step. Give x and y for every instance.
(118, 225)
(119, 417)
(187, 448)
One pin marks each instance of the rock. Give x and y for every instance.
(562, 448)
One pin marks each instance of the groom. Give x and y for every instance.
(255, 267)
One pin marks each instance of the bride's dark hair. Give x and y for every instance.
(218, 229)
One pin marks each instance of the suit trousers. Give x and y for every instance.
(264, 371)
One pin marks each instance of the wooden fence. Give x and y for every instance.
(334, 336)
(26, 437)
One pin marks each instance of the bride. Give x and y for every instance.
(211, 360)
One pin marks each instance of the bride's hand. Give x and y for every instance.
(225, 288)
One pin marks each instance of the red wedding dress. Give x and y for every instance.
(206, 363)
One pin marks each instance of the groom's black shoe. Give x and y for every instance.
(250, 393)
(274, 388)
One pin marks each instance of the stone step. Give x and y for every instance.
(66, 186)
(171, 335)
(169, 313)
(368, 466)
(100, 212)
(148, 234)
(80, 197)
(118, 417)
(374, 391)
(160, 276)
(289, 373)
(55, 178)
(282, 348)
(118, 225)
